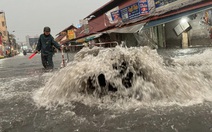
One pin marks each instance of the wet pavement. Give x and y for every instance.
(20, 77)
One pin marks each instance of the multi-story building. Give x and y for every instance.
(32, 41)
(3, 33)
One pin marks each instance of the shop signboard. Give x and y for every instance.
(159, 3)
(124, 14)
(135, 10)
(115, 15)
(71, 34)
(132, 11)
(144, 9)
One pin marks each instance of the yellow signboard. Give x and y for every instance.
(71, 34)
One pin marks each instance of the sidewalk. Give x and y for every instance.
(1, 57)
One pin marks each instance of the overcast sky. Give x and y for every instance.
(28, 17)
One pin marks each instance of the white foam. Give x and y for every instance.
(186, 82)
(8, 87)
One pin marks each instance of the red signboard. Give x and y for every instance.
(0, 40)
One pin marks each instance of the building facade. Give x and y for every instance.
(31, 42)
(3, 33)
(156, 23)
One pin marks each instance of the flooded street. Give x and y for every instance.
(109, 90)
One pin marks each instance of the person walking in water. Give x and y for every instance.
(46, 44)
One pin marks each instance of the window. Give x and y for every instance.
(3, 24)
(5, 33)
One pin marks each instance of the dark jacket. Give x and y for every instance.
(46, 43)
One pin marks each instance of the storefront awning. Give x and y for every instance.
(130, 29)
(175, 17)
(91, 37)
(88, 38)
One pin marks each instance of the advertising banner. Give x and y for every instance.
(131, 12)
(112, 16)
(115, 15)
(124, 14)
(144, 9)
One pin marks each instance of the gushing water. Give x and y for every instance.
(129, 78)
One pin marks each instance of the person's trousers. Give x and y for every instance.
(47, 61)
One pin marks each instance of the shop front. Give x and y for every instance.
(189, 27)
